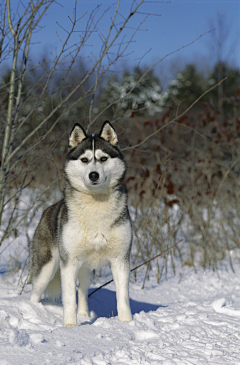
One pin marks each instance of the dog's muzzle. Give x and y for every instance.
(94, 176)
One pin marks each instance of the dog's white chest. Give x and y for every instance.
(91, 247)
(98, 240)
(86, 237)
(89, 235)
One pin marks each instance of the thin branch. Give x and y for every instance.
(3, 30)
(135, 268)
(9, 19)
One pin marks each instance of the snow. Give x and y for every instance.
(194, 320)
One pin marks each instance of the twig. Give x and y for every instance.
(135, 268)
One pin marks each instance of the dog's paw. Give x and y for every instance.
(35, 298)
(126, 319)
(125, 316)
(84, 313)
(70, 325)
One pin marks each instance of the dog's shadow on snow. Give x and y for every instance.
(104, 304)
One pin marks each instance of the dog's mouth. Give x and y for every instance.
(99, 183)
(95, 183)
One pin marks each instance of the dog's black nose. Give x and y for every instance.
(94, 176)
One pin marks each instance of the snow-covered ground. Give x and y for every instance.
(194, 320)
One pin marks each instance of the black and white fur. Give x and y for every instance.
(88, 228)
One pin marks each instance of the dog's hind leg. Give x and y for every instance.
(85, 278)
(41, 281)
(53, 290)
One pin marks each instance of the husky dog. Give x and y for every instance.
(88, 228)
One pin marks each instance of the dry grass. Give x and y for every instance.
(184, 184)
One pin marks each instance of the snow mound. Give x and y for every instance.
(21, 314)
(219, 306)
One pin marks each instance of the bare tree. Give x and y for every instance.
(15, 44)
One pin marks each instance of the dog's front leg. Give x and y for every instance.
(120, 271)
(68, 277)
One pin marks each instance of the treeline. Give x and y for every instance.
(129, 99)
(124, 94)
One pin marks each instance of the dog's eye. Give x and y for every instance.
(84, 159)
(103, 159)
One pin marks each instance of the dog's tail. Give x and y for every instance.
(53, 290)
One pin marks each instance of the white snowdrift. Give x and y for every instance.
(219, 307)
(173, 323)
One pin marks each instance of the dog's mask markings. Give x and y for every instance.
(99, 155)
(77, 136)
(109, 134)
(95, 167)
(86, 155)
(95, 164)
(93, 146)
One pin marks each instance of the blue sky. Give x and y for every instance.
(171, 26)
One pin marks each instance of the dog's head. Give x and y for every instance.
(94, 162)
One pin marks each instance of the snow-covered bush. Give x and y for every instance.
(133, 93)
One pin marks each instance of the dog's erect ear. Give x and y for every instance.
(77, 135)
(109, 134)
